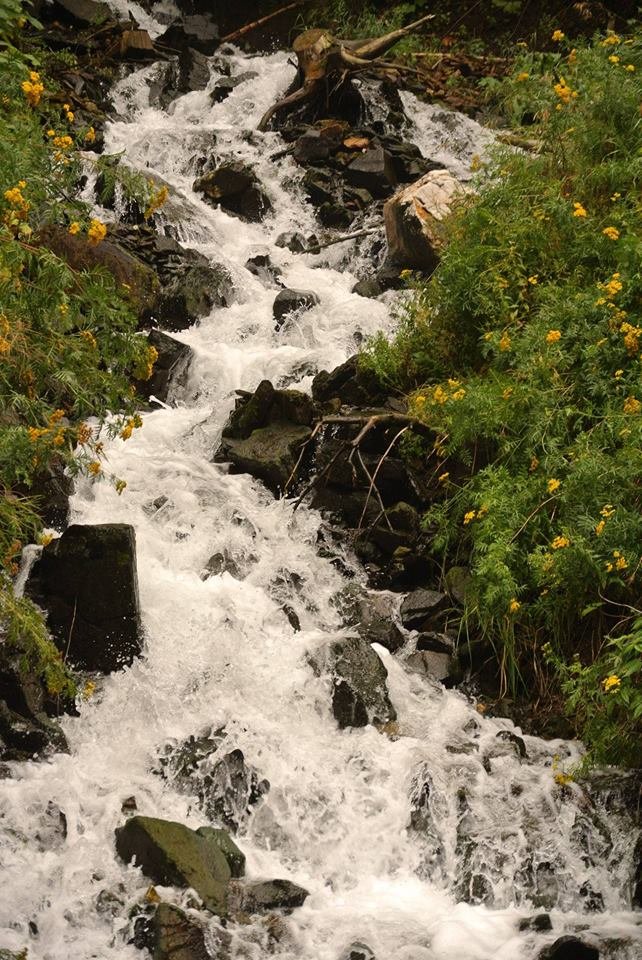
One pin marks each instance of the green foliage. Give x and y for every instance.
(523, 352)
(26, 635)
(68, 339)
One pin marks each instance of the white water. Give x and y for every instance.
(221, 652)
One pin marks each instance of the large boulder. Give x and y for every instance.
(138, 281)
(265, 434)
(170, 369)
(423, 609)
(569, 948)
(234, 186)
(350, 383)
(198, 32)
(359, 692)
(415, 220)
(87, 582)
(82, 12)
(289, 301)
(171, 854)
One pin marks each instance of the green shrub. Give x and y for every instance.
(523, 352)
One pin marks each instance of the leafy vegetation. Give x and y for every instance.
(68, 340)
(523, 353)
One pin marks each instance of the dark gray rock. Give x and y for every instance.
(422, 609)
(87, 582)
(429, 663)
(295, 242)
(358, 951)
(637, 877)
(27, 738)
(235, 187)
(193, 70)
(569, 948)
(292, 301)
(235, 858)
(312, 147)
(540, 923)
(171, 854)
(359, 691)
(170, 370)
(198, 32)
(175, 936)
(369, 287)
(350, 383)
(224, 87)
(83, 12)
(374, 171)
(222, 562)
(261, 266)
(333, 213)
(52, 488)
(267, 895)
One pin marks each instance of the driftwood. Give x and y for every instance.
(237, 34)
(325, 62)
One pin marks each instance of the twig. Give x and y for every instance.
(374, 477)
(347, 236)
(368, 495)
(259, 23)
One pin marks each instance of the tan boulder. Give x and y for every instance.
(415, 219)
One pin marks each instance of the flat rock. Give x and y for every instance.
(171, 854)
(373, 169)
(197, 31)
(268, 895)
(420, 609)
(87, 582)
(175, 936)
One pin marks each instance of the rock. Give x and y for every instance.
(235, 187)
(25, 738)
(84, 12)
(198, 32)
(87, 582)
(320, 186)
(517, 743)
(291, 301)
(371, 617)
(428, 663)
(369, 287)
(334, 214)
(351, 383)
(457, 581)
(268, 895)
(540, 923)
(265, 433)
(414, 220)
(569, 948)
(193, 71)
(171, 854)
(261, 266)
(235, 858)
(224, 87)
(312, 147)
(174, 936)
(52, 831)
(374, 171)
(295, 242)
(220, 563)
(421, 609)
(170, 370)
(358, 951)
(52, 488)
(136, 45)
(139, 281)
(637, 878)
(359, 692)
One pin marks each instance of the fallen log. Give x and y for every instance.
(326, 62)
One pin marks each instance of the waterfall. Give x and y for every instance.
(431, 841)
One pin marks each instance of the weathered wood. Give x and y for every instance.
(324, 59)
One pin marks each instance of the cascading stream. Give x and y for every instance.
(220, 652)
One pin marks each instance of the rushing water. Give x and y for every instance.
(221, 652)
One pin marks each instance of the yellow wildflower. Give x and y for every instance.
(607, 511)
(70, 116)
(579, 210)
(553, 485)
(599, 529)
(614, 59)
(611, 683)
(439, 395)
(120, 486)
(618, 374)
(97, 232)
(504, 343)
(559, 543)
(74, 228)
(616, 196)
(612, 233)
(553, 336)
(514, 606)
(507, 394)
(621, 564)
(156, 201)
(443, 477)
(63, 143)
(534, 279)
(469, 516)
(557, 36)
(89, 338)
(459, 394)
(405, 274)
(632, 405)
(90, 136)
(33, 89)
(630, 68)
(611, 40)
(94, 468)
(522, 76)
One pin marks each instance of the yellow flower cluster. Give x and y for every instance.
(611, 683)
(74, 228)
(17, 215)
(559, 543)
(469, 517)
(440, 396)
(618, 563)
(90, 136)
(33, 89)
(632, 405)
(63, 143)
(610, 41)
(553, 336)
(552, 485)
(156, 201)
(631, 337)
(514, 606)
(505, 342)
(564, 92)
(612, 233)
(132, 423)
(97, 232)
(89, 338)
(579, 210)
(557, 36)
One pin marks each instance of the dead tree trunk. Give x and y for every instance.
(325, 61)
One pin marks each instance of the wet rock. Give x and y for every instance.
(457, 581)
(140, 282)
(428, 663)
(540, 923)
(83, 12)
(637, 876)
(171, 854)
(358, 951)
(292, 301)
(517, 743)
(129, 805)
(374, 171)
(320, 186)
(261, 266)
(235, 858)
(423, 609)
(87, 582)
(569, 948)
(26, 738)
(52, 488)
(368, 287)
(52, 829)
(171, 368)
(414, 220)
(295, 242)
(265, 434)
(335, 214)
(371, 617)
(224, 87)
(267, 895)
(175, 936)
(351, 383)
(198, 32)
(235, 187)
(220, 563)
(359, 692)
(312, 147)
